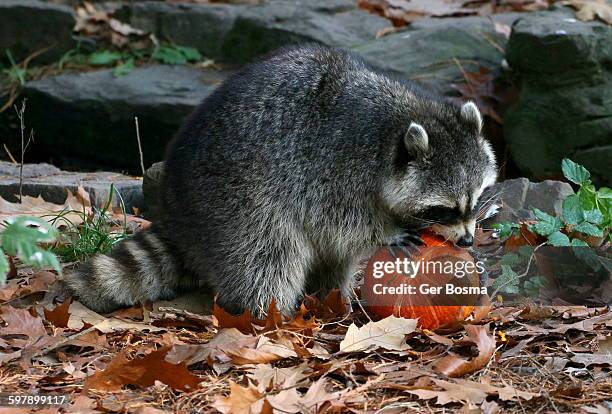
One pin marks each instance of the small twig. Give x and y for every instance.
(63, 341)
(9, 153)
(139, 146)
(24, 144)
(522, 275)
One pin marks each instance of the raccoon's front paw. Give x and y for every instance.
(407, 241)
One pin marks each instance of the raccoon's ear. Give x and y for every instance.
(471, 114)
(416, 139)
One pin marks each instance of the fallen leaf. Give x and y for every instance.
(59, 315)
(244, 322)
(81, 315)
(75, 209)
(267, 376)
(588, 10)
(265, 351)
(241, 400)
(453, 366)
(300, 323)
(588, 359)
(402, 12)
(317, 395)
(21, 322)
(224, 341)
(586, 325)
(464, 391)
(39, 281)
(388, 333)
(142, 372)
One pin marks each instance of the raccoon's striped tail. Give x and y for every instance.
(141, 268)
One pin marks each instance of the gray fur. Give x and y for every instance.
(292, 170)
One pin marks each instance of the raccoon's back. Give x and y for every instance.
(300, 118)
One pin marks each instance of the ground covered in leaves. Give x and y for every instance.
(151, 359)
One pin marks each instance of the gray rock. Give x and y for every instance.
(598, 159)
(548, 196)
(239, 33)
(564, 108)
(435, 52)
(517, 198)
(51, 184)
(151, 183)
(90, 116)
(29, 170)
(28, 26)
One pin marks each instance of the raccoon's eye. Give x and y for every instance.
(441, 214)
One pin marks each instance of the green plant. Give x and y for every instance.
(586, 214)
(124, 68)
(21, 238)
(15, 73)
(176, 55)
(104, 58)
(94, 235)
(124, 61)
(74, 56)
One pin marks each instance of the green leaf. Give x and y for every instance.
(508, 281)
(558, 239)
(579, 243)
(587, 196)
(576, 173)
(169, 56)
(191, 54)
(533, 285)
(593, 216)
(510, 259)
(506, 229)
(21, 237)
(588, 228)
(124, 68)
(547, 224)
(4, 268)
(604, 193)
(572, 210)
(103, 58)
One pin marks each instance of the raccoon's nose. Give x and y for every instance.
(465, 241)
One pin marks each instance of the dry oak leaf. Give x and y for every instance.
(388, 333)
(21, 322)
(587, 10)
(265, 351)
(39, 281)
(72, 210)
(242, 400)
(142, 372)
(81, 315)
(454, 366)
(290, 401)
(59, 315)
(215, 349)
(268, 377)
(465, 391)
(224, 319)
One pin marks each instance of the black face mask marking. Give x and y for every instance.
(442, 214)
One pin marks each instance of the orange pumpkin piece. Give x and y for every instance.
(430, 314)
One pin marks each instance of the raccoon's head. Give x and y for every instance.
(442, 166)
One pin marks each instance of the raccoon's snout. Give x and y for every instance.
(462, 234)
(466, 241)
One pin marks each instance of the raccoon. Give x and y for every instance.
(285, 177)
